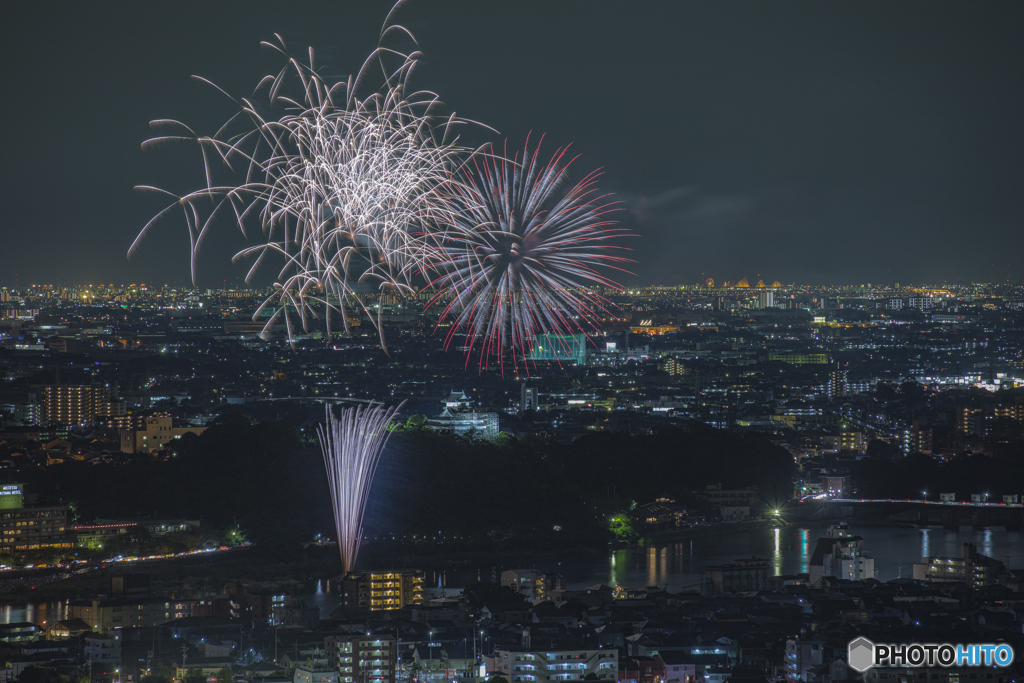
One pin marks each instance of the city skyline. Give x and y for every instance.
(824, 145)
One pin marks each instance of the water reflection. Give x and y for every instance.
(777, 557)
(805, 553)
(789, 550)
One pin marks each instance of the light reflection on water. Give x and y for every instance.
(788, 550)
(677, 565)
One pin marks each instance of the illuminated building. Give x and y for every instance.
(19, 632)
(104, 615)
(917, 439)
(106, 530)
(846, 441)
(458, 417)
(76, 404)
(765, 299)
(34, 528)
(65, 404)
(971, 568)
(840, 555)
(674, 366)
(362, 658)
(799, 358)
(648, 327)
(528, 400)
(382, 590)
(836, 383)
(801, 657)
(971, 420)
(526, 666)
(153, 433)
(560, 347)
(743, 283)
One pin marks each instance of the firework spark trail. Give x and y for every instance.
(517, 259)
(342, 187)
(352, 442)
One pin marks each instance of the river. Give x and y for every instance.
(678, 566)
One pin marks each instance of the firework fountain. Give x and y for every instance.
(352, 440)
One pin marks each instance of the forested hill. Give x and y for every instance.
(269, 481)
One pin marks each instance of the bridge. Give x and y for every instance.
(920, 512)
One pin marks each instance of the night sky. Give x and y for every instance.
(820, 143)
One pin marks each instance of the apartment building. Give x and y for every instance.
(557, 665)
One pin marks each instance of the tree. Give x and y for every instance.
(486, 593)
(622, 526)
(194, 676)
(224, 675)
(495, 678)
(158, 677)
(35, 674)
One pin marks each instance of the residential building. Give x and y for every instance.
(840, 555)
(104, 615)
(801, 657)
(972, 568)
(361, 658)
(382, 590)
(153, 433)
(19, 632)
(917, 439)
(742, 575)
(528, 666)
(103, 651)
(77, 405)
(533, 585)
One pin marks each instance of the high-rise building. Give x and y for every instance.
(362, 658)
(528, 400)
(917, 439)
(801, 657)
(766, 299)
(77, 404)
(67, 404)
(382, 590)
(673, 366)
(836, 383)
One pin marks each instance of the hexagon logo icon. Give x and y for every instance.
(861, 654)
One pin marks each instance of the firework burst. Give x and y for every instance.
(352, 441)
(341, 187)
(522, 254)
